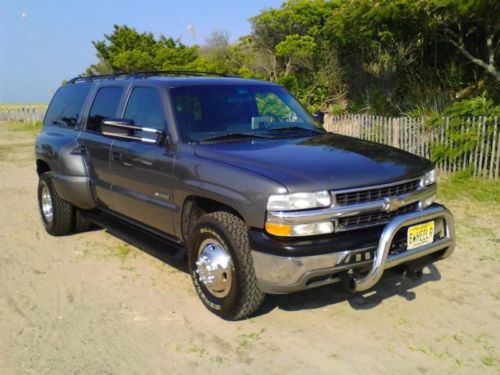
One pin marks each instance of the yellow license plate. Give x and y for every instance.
(419, 235)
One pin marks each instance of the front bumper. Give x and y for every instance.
(285, 274)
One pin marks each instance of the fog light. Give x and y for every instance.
(297, 230)
(426, 202)
(439, 230)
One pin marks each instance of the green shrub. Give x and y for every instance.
(460, 143)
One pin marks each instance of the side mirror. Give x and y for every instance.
(319, 116)
(126, 129)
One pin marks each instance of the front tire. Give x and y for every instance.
(221, 266)
(57, 215)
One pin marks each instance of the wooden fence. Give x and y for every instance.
(472, 143)
(24, 114)
(455, 145)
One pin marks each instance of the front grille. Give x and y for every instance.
(368, 195)
(374, 218)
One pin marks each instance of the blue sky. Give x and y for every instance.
(45, 42)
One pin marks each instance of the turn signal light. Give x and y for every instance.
(298, 230)
(282, 230)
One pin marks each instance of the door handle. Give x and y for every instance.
(116, 155)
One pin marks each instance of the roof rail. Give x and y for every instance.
(144, 74)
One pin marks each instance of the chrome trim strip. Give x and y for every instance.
(326, 214)
(131, 137)
(118, 124)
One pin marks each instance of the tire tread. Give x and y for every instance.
(63, 219)
(251, 296)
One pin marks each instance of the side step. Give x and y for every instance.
(154, 244)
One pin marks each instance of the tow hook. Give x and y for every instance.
(347, 280)
(415, 273)
(415, 269)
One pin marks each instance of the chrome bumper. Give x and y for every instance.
(278, 274)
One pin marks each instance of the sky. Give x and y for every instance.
(45, 42)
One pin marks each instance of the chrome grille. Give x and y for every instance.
(373, 218)
(368, 195)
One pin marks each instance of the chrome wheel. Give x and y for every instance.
(214, 268)
(47, 206)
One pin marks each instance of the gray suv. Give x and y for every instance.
(236, 176)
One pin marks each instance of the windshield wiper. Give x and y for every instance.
(235, 136)
(294, 129)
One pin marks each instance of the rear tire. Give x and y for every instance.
(221, 266)
(57, 215)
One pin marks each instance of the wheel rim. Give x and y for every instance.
(214, 268)
(47, 207)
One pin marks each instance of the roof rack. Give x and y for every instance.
(144, 74)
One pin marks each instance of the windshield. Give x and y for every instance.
(210, 111)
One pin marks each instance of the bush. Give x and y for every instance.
(461, 143)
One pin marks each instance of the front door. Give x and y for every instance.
(141, 173)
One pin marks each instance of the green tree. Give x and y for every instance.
(473, 28)
(380, 56)
(127, 50)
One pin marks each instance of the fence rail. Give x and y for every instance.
(455, 145)
(24, 114)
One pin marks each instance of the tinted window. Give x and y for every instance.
(145, 109)
(66, 105)
(212, 110)
(104, 106)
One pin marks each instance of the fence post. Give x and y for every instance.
(494, 143)
(395, 132)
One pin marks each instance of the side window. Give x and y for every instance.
(104, 106)
(65, 107)
(145, 108)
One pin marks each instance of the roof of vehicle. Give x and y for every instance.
(171, 79)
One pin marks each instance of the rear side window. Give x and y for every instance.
(66, 106)
(104, 106)
(145, 108)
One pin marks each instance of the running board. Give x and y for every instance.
(154, 244)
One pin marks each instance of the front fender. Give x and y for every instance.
(244, 191)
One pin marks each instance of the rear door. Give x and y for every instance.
(141, 173)
(95, 146)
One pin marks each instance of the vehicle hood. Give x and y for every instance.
(326, 161)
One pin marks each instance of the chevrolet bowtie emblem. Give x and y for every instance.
(392, 204)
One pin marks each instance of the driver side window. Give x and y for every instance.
(145, 108)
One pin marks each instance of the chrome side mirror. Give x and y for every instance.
(126, 129)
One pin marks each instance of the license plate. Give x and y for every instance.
(419, 235)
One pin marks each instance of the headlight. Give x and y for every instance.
(298, 201)
(429, 178)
